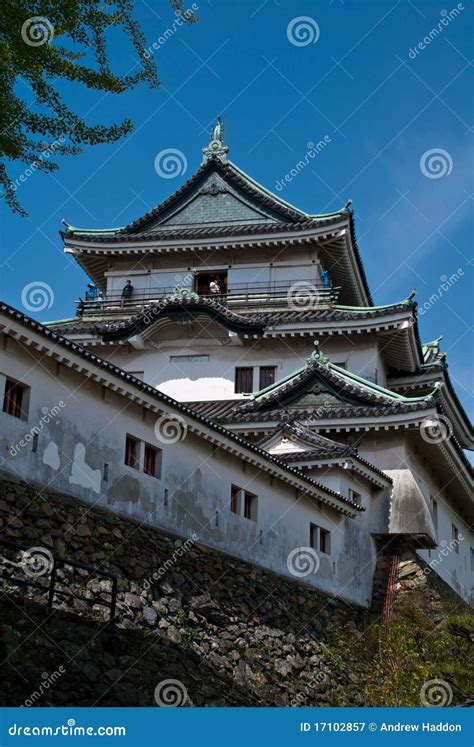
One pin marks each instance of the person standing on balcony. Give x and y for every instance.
(91, 292)
(326, 278)
(127, 291)
(214, 288)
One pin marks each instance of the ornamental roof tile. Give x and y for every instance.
(178, 304)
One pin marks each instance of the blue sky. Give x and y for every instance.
(350, 78)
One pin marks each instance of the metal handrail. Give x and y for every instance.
(235, 294)
(51, 590)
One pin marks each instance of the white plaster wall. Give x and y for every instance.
(89, 431)
(449, 560)
(394, 451)
(214, 379)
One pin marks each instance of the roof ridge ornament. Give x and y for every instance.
(183, 294)
(216, 147)
(317, 356)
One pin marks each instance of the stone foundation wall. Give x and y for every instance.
(228, 632)
(415, 581)
(231, 633)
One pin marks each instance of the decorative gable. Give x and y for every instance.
(214, 202)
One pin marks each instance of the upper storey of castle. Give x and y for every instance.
(223, 222)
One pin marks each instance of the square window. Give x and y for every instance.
(267, 376)
(152, 461)
(132, 449)
(243, 380)
(250, 506)
(15, 399)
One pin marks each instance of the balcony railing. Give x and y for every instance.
(298, 294)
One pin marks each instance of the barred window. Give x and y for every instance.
(320, 539)
(243, 379)
(14, 399)
(132, 452)
(152, 461)
(267, 376)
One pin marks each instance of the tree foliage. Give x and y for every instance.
(44, 43)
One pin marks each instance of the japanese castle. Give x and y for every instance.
(306, 419)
